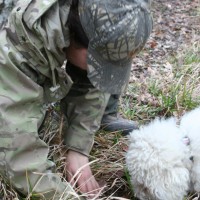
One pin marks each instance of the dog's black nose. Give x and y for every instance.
(191, 158)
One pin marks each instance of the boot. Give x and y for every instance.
(113, 122)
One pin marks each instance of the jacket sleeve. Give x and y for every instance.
(38, 31)
(84, 107)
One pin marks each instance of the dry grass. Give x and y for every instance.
(169, 90)
(107, 157)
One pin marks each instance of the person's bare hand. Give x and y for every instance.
(80, 174)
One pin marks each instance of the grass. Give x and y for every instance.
(169, 92)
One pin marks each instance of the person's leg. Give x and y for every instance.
(23, 155)
(112, 106)
(112, 121)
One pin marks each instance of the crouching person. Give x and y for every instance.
(33, 46)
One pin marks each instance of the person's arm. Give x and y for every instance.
(83, 107)
(84, 113)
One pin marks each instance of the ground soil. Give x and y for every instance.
(176, 26)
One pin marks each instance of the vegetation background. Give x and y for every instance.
(165, 81)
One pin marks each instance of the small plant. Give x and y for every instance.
(168, 92)
(128, 179)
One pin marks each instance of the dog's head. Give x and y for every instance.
(156, 161)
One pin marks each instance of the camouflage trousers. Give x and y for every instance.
(23, 155)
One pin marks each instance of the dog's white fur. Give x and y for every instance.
(159, 162)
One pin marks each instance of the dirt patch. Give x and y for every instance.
(176, 26)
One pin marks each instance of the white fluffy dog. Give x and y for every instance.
(164, 159)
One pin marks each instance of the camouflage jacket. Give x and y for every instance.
(5, 8)
(32, 42)
(39, 37)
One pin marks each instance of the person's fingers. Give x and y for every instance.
(72, 178)
(80, 174)
(89, 187)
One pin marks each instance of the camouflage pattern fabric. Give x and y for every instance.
(5, 8)
(83, 95)
(79, 135)
(118, 30)
(23, 155)
(31, 57)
